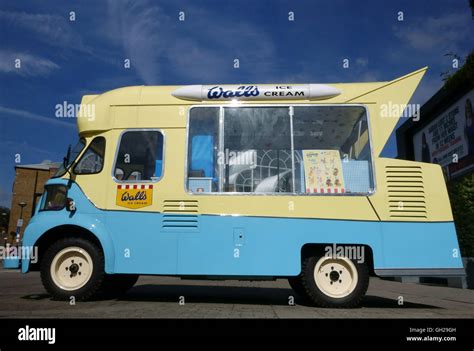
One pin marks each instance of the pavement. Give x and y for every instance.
(23, 296)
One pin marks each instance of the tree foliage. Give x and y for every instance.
(464, 76)
(461, 192)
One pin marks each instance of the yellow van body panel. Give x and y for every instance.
(405, 190)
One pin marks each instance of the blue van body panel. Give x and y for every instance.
(139, 242)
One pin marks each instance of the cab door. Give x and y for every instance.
(134, 217)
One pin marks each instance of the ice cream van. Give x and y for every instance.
(248, 181)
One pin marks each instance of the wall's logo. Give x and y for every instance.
(134, 196)
(256, 92)
(218, 92)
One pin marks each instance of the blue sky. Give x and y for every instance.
(63, 60)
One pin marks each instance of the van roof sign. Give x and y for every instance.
(256, 92)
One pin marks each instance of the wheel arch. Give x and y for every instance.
(53, 234)
(320, 249)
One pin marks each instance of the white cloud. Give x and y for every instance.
(148, 37)
(29, 65)
(136, 29)
(369, 76)
(426, 42)
(361, 61)
(51, 29)
(436, 33)
(22, 147)
(6, 112)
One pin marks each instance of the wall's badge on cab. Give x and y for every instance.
(134, 196)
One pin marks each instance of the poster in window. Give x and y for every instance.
(323, 171)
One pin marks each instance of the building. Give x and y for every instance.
(27, 189)
(444, 133)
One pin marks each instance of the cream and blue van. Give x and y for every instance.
(242, 182)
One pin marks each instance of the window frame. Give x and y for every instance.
(289, 106)
(45, 195)
(64, 171)
(84, 153)
(163, 168)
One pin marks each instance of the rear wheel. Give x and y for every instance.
(72, 267)
(334, 282)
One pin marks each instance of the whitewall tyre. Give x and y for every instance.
(72, 267)
(334, 282)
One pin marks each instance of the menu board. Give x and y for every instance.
(323, 171)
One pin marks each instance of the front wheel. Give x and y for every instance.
(334, 281)
(72, 267)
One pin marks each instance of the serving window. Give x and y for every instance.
(279, 149)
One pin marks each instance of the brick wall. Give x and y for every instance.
(28, 187)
